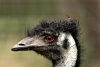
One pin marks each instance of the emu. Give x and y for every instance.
(55, 40)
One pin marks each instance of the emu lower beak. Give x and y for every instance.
(24, 45)
(22, 49)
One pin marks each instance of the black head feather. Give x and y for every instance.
(53, 51)
(55, 27)
(66, 26)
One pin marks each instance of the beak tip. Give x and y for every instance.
(14, 49)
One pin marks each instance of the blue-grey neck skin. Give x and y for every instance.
(77, 62)
(62, 60)
(70, 57)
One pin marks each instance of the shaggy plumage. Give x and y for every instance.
(54, 28)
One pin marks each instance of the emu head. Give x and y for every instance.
(50, 39)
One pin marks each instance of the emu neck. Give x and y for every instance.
(68, 58)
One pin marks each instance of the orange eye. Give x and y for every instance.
(49, 39)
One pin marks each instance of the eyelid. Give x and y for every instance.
(46, 34)
(49, 41)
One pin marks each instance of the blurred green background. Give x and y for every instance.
(16, 16)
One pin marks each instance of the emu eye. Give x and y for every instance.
(49, 39)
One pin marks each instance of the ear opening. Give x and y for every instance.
(66, 44)
(66, 40)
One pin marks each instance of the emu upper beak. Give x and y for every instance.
(23, 45)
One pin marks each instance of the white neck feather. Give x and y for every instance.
(70, 56)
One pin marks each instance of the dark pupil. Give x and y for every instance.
(49, 38)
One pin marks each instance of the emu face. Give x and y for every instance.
(49, 39)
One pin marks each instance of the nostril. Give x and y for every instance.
(22, 44)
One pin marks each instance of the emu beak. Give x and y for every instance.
(24, 45)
